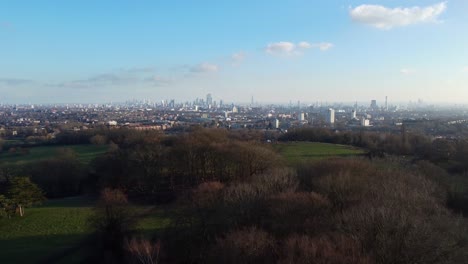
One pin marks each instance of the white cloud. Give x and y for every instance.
(407, 71)
(238, 57)
(383, 17)
(285, 48)
(205, 67)
(323, 46)
(158, 80)
(304, 45)
(281, 48)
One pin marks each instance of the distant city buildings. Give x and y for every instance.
(277, 123)
(155, 114)
(365, 122)
(209, 100)
(373, 105)
(301, 117)
(330, 116)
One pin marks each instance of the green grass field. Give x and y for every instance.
(296, 152)
(56, 226)
(44, 230)
(85, 153)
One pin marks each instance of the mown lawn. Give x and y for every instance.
(85, 153)
(56, 226)
(43, 230)
(296, 152)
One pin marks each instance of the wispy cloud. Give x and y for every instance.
(382, 17)
(407, 71)
(98, 81)
(139, 70)
(14, 81)
(238, 57)
(285, 48)
(324, 46)
(157, 80)
(304, 45)
(204, 68)
(281, 48)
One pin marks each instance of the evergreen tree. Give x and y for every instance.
(23, 193)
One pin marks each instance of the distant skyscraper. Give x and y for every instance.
(353, 114)
(331, 116)
(364, 122)
(373, 104)
(277, 123)
(386, 103)
(252, 101)
(209, 100)
(301, 117)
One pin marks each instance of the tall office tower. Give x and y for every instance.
(301, 117)
(353, 114)
(386, 103)
(373, 104)
(252, 101)
(209, 100)
(331, 116)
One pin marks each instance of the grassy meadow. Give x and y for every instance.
(85, 153)
(58, 226)
(297, 152)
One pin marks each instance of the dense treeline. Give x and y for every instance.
(234, 200)
(156, 168)
(148, 164)
(335, 211)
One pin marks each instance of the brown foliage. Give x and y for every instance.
(98, 140)
(325, 249)
(143, 251)
(207, 194)
(280, 180)
(298, 212)
(399, 217)
(249, 245)
(113, 221)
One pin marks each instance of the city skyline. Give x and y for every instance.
(58, 52)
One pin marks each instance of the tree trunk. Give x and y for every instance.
(21, 210)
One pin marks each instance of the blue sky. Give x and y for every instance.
(276, 51)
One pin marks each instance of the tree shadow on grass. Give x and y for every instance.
(39, 249)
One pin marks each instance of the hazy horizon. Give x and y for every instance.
(276, 51)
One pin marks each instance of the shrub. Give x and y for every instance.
(113, 221)
(277, 181)
(98, 140)
(207, 194)
(298, 212)
(325, 249)
(243, 204)
(249, 245)
(143, 251)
